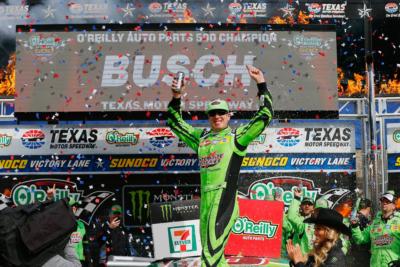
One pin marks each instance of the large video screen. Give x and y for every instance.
(115, 69)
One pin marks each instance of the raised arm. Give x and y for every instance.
(182, 129)
(247, 133)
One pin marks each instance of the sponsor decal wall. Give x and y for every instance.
(102, 149)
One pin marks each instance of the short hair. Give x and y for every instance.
(365, 203)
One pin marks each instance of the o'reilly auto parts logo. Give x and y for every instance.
(182, 239)
(33, 139)
(396, 136)
(122, 139)
(44, 46)
(73, 138)
(288, 137)
(5, 140)
(245, 225)
(161, 137)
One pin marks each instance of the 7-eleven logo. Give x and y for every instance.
(182, 239)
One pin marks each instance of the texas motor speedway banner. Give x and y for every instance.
(103, 140)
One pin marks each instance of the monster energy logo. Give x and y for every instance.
(140, 200)
(166, 211)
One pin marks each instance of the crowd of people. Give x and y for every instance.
(316, 235)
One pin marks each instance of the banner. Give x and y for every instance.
(88, 140)
(334, 188)
(116, 72)
(171, 163)
(258, 230)
(393, 138)
(176, 229)
(393, 162)
(143, 201)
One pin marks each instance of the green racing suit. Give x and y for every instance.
(304, 232)
(384, 236)
(220, 157)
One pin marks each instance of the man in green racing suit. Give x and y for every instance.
(220, 151)
(383, 233)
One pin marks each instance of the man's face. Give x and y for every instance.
(306, 209)
(218, 119)
(387, 206)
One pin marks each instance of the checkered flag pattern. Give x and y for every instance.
(333, 196)
(90, 204)
(4, 201)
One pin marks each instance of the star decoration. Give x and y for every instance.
(364, 12)
(99, 163)
(287, 10)
(49, 12)
(128, 10)
(208, 10)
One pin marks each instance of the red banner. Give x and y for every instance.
(258, 230)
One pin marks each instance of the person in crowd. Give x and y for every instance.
(287, 234)
(78, 237)
(345, 208)
(359, 254)
(118, 242)
(383, 234)
(298, 211)
(220, 151)
(327, 245)
(287, 229)
(75, 242)
(68, 259)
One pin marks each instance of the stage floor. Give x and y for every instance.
(119, 261)
(232, 260)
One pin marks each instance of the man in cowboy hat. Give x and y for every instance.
(221, 151)
(383, 233)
